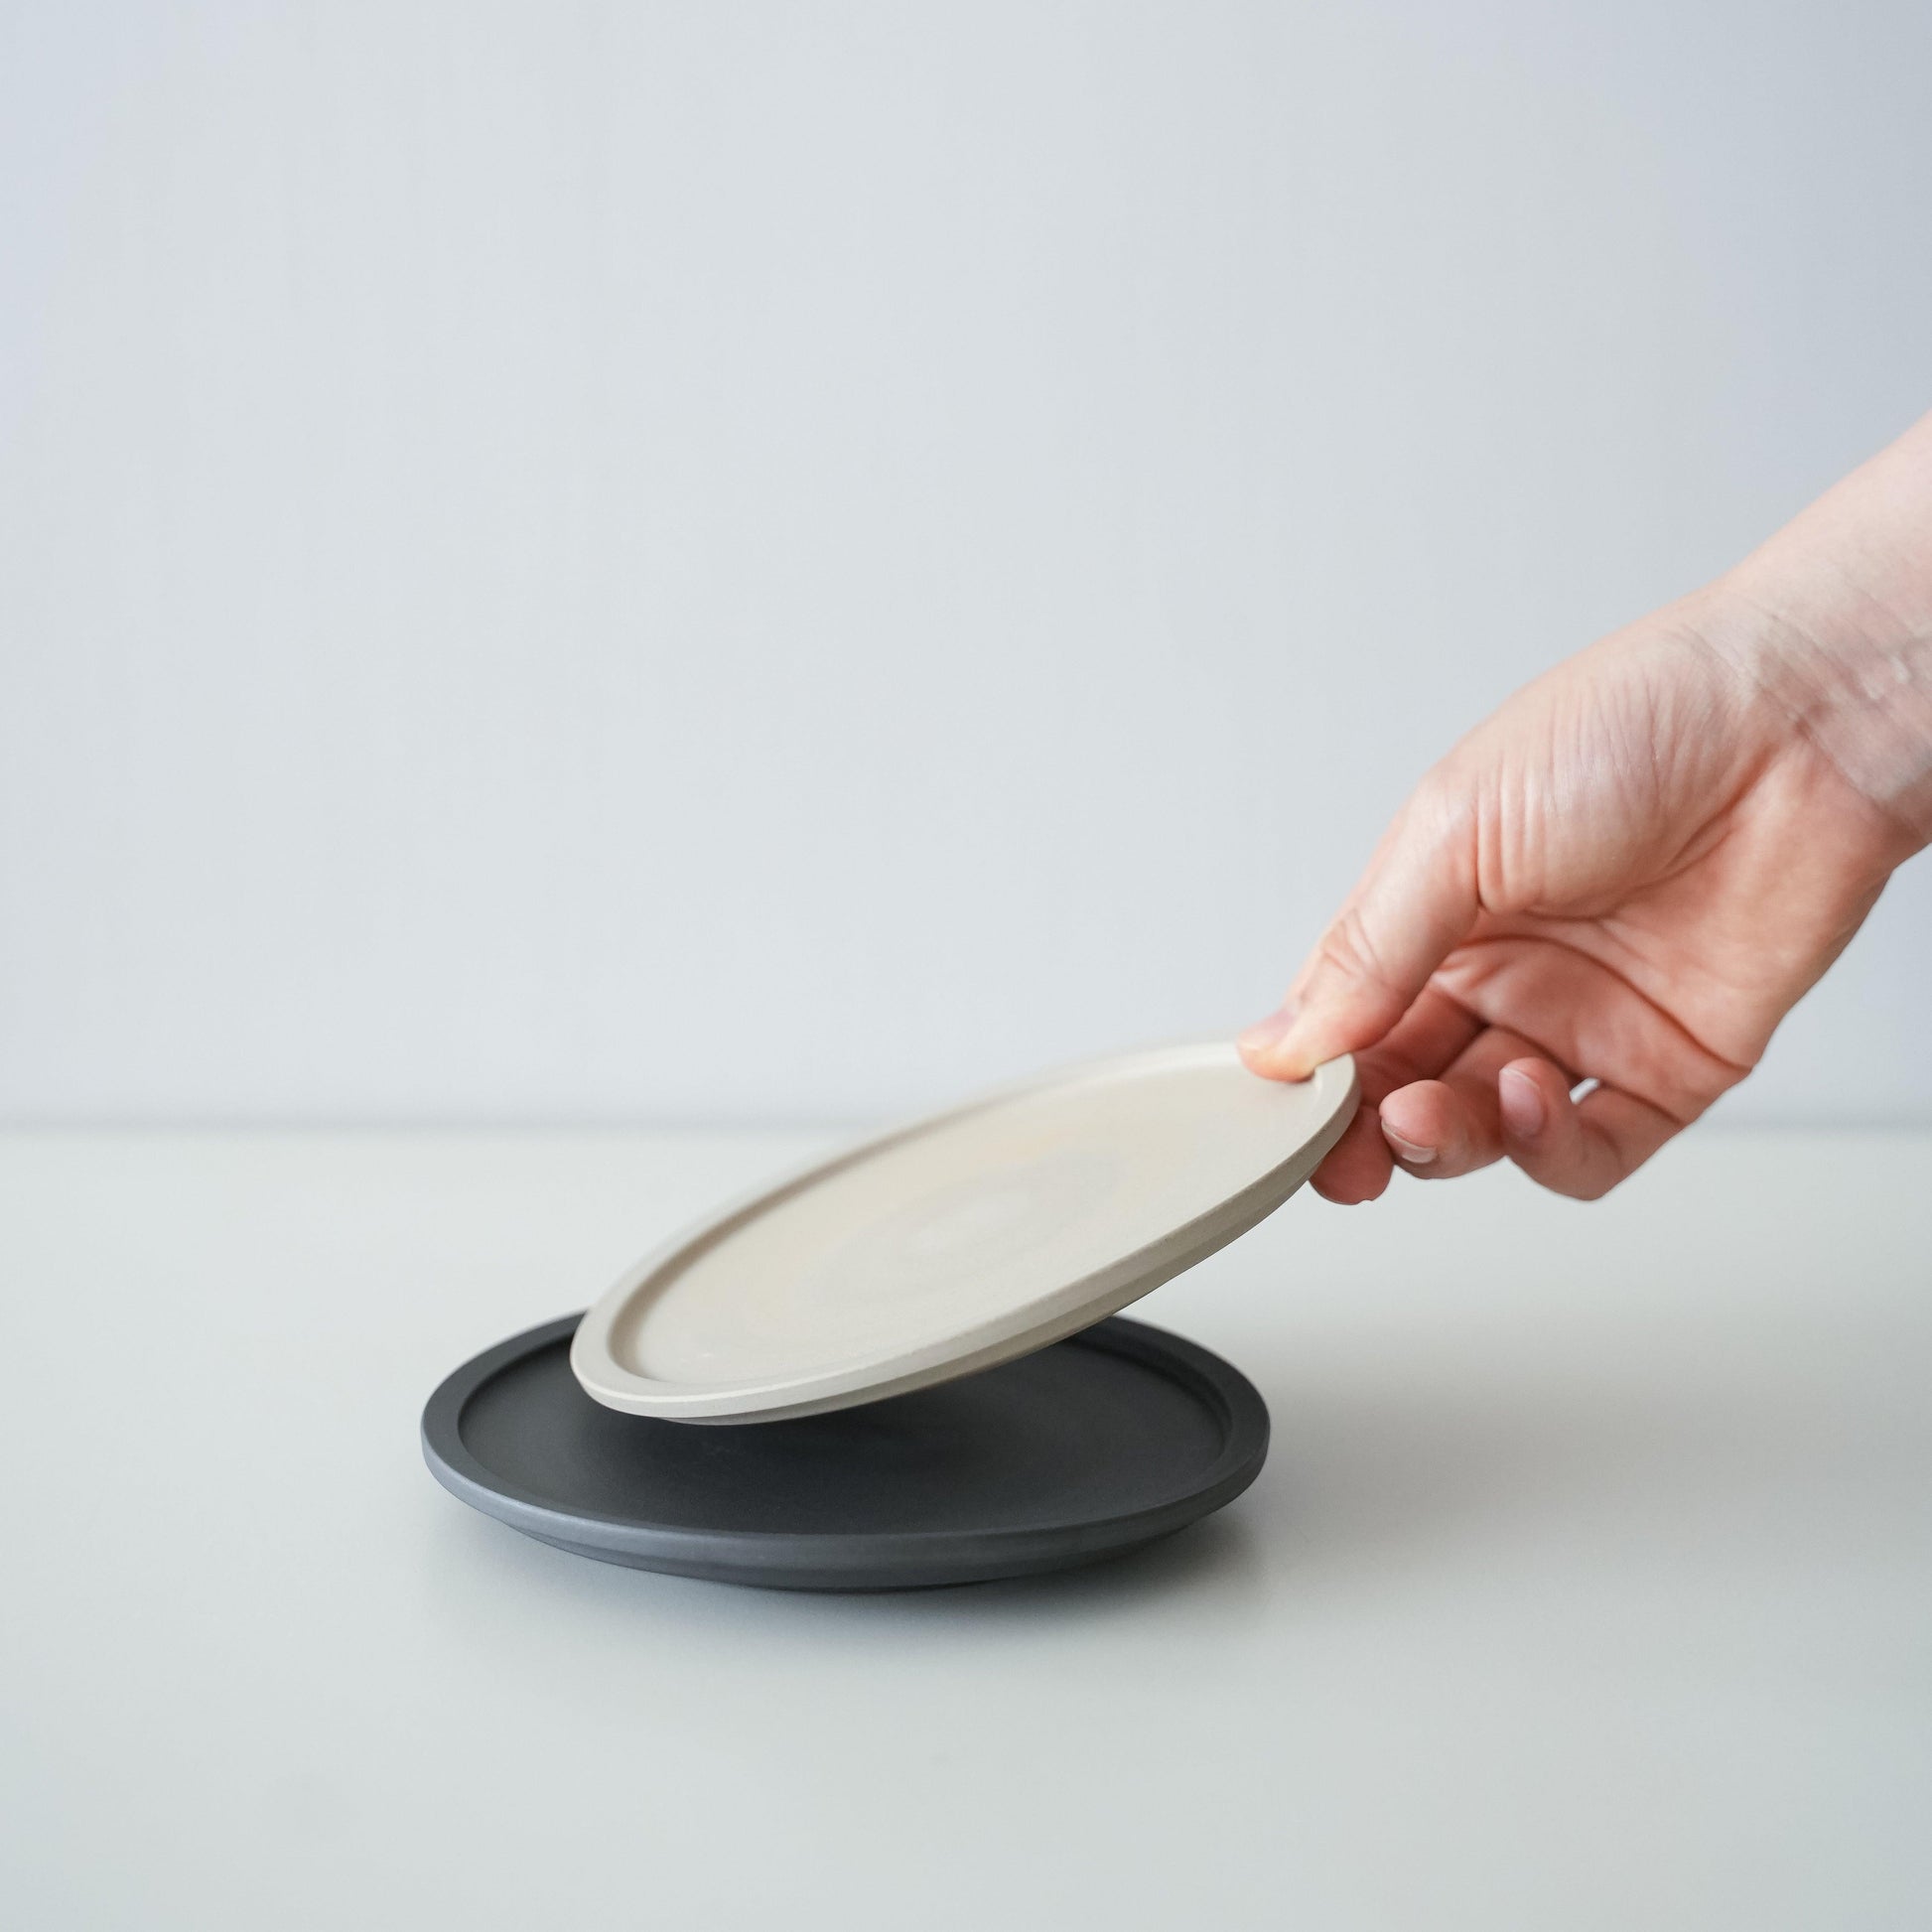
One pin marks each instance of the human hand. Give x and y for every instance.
(1633, 870)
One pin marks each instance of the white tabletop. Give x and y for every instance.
(1588, 1583)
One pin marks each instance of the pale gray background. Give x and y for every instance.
(705, 561)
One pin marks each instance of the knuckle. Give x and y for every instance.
(1444, 808)
(1347, 950)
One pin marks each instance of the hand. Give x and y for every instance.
(1633, 870)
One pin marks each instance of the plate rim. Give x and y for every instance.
(1076, 1305)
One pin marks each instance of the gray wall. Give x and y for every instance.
(706, 561)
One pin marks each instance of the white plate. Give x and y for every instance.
(960, 1241)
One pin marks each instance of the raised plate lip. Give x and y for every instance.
(881, 1558)
(1075, 1305)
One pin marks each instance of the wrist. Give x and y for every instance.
(1831, 624)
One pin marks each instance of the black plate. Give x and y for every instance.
(1120, 1434)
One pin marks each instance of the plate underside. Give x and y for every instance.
(960, 1241)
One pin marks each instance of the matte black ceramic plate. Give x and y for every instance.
(1097, 1445)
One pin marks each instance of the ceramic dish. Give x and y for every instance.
(961, 1241)
(1085, 1450)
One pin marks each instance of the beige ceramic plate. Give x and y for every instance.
(959, 1241)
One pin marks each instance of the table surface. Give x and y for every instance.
(1587, 1585)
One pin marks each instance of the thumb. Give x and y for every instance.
(1417, 901)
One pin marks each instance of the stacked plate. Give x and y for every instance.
(898, 1367)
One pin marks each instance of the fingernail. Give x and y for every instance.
(1266, 1035)
(1521, 1102)
(1417, 1157)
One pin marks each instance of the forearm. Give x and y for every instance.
(1832, 620)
